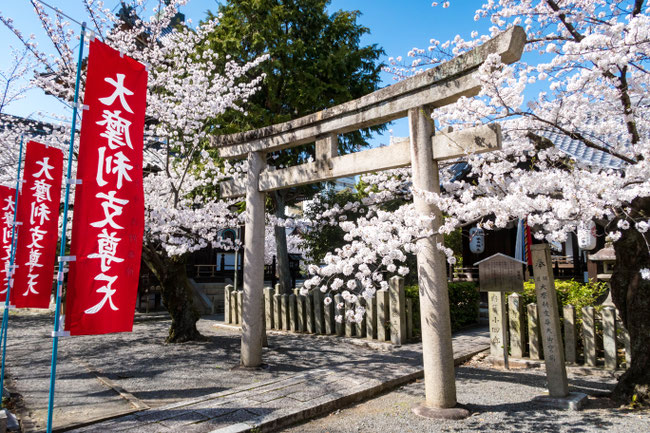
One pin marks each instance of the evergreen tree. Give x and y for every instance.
(316, 61)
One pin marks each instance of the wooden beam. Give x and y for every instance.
(449, 145)
(436, 87)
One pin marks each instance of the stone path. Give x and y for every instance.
(290, 398)
(146, 385)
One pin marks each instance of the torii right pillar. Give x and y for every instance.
(437, 350)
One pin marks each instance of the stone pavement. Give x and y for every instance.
(289, 398)
(145, 385)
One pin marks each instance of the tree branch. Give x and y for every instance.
(563, 18)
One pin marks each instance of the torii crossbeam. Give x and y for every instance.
(415, 97)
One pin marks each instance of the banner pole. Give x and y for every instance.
(59, 280)
(10, 274)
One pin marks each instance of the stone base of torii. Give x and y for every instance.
(415, 97)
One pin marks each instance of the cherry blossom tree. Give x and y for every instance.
(182, 210)
(12, 88)
(584, 78)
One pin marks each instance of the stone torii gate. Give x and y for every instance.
(415, 97)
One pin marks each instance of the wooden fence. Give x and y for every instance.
(598, 339)
(388, 317)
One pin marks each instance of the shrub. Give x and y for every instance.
(463, 305)
(570, 292)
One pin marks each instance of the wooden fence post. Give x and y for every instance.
(338, 300)
(268, 307)
(534, 344)
(319, 327)
(609, 337)
(226, 303)
(285, 312)
(240, 306)
(328, 315)
(516, 321)
(300, 310)
(569, 315)
(397, 311)
(293, 317)
(309, 313)
(361, 326)
(349, 326)
(371, 319)
(277, 310)
(383, 333)
(589, 335)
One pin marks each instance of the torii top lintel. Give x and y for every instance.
(436, 87)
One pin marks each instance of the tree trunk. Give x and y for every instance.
(631, 295)
(176, 294)
(282, 251)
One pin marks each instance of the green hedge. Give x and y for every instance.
(463, 305)
(570, 292)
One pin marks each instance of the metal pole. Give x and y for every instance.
(59, 280)
(10, 274)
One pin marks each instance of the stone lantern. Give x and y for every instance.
(606, 257)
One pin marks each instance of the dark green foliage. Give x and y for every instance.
(454, 240)
(316, 61)
(412, 292)
(327, 237)
(463, 305)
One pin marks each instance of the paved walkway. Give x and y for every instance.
(289, 398)
(146, 386)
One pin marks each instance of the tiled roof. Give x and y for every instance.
(580, 151)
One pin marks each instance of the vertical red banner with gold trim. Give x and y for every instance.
(38, 214)
(7, 209)
(108, 218)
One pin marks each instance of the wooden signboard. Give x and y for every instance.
(501, 273)
(498, 274)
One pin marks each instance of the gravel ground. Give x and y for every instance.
(499, 401)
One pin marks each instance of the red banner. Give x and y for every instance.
(38, 213)
(7, 209)
(108, 220)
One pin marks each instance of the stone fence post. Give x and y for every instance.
(397, 311)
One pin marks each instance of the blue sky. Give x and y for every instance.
(396, 26)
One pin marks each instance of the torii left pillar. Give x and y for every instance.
(252, 305)
(437, 350)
